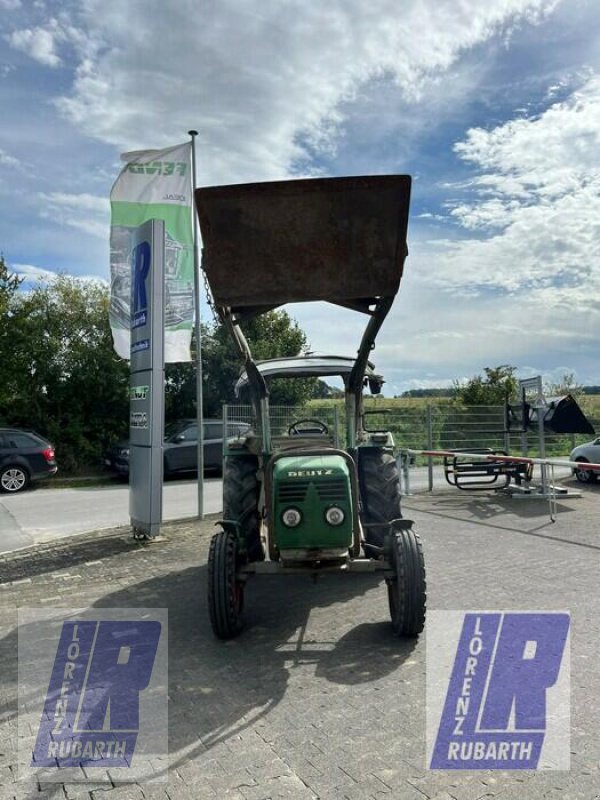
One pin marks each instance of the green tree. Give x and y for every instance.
(60, 375)
(271, 335)
(491, 389)
(9, 286)
(566, 385)
(66, 381)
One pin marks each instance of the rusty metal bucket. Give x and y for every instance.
(342, 240)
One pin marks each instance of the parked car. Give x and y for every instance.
(586, 453)
(180, 447)
(25, 456)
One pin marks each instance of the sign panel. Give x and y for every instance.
(146, 392)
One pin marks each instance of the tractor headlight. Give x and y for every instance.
(334, 515)
(291, 517)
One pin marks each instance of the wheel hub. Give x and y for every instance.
(13, 480)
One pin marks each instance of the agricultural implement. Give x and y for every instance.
(296, 501)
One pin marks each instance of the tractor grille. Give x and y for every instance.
(333, 490)
(293, 492)
(328, 491)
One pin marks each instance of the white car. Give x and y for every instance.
(587, 453)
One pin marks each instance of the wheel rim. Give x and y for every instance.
(584, 475)
(13, 480)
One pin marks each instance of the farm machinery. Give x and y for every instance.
(297, 500)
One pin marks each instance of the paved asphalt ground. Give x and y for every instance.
(43, 513)
(317, 699)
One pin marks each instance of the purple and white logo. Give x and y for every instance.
(498, 693)
(91, 713)
(98, 681)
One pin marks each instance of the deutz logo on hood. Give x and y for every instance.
(308, 473)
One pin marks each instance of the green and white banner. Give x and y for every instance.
(154, 184)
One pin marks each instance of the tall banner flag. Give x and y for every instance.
(154, 184)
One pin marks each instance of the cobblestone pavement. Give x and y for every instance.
(317, 699)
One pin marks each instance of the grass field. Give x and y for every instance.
(439, 423)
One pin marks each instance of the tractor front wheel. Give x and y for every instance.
(225, 591)
(407, 589)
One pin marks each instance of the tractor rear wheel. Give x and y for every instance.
(241, 491)
(380, 494)
(407, 593)
(225, 592)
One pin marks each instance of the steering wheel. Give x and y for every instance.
(295, 428)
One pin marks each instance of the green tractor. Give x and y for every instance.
(296, 500)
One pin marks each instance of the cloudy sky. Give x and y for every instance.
(493, 107)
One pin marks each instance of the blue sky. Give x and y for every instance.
(493, 108)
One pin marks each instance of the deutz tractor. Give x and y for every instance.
(296, 500)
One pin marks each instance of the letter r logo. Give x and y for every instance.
(120, 668)
(94, 709)
(528, 656)
(141, 257)
(507, 702)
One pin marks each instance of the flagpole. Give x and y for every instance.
(199, 394)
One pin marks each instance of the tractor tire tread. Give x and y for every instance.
(241, 491)
(407, 592)
(380, 493)
(226, 620)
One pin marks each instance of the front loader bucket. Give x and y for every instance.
(342, 240)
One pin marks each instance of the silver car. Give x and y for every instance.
(588, 453)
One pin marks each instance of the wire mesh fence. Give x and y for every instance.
(282, 418)
(443, 426)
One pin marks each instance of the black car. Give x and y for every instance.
(180, 448)
(25, 456)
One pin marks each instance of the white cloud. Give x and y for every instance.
(85, 212)
(10, 5)
(44, 42)
(86, 202)
(7, 160)
(33, 275)
(259, 80)
(38, 43)
(536, 208)
(270, 85)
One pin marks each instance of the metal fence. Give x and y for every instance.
(443, 426)
(282, 417)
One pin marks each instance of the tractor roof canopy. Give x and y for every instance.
(309, 366)
(342, 240)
